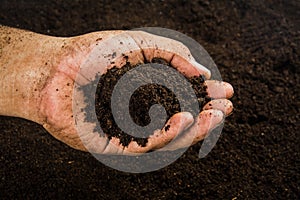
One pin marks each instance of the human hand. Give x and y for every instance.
(49, 102)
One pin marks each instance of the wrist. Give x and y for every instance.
(29, 63)
(26, 63)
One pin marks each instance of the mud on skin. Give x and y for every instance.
(141, 101)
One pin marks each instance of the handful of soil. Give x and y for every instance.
(140, 102)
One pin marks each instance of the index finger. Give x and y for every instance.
(174, 52)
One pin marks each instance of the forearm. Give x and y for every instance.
(29, 63)
(26, 63)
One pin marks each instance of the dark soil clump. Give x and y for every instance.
(140, 102)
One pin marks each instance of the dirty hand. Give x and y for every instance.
(38, 72)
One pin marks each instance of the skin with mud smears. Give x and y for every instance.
(38, 72)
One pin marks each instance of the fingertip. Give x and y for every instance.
(201, 69)
(175, 125)
(229, 90)
(179, 122)
(206, 121)
(210, 119)
(219, 89)
(223, 105)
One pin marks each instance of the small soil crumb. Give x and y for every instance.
(140, 102)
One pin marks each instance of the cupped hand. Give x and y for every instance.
(138, 47)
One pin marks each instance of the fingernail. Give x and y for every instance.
(203, 70)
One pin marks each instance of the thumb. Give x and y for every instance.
(175, 125)
(206, 121)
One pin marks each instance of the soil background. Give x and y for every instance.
(255, 44)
